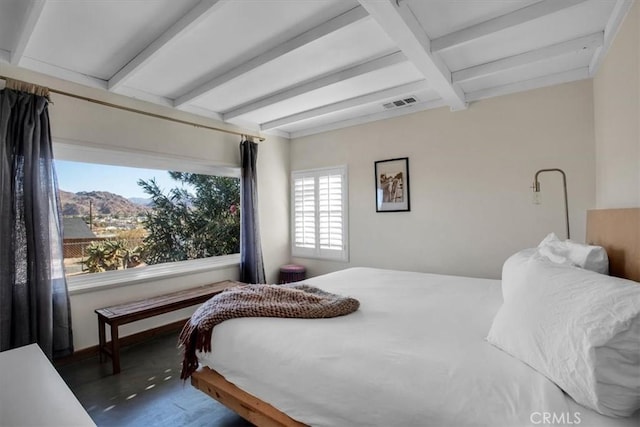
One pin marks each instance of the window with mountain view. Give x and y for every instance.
(118, 218)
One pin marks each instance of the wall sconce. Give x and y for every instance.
(536, 193)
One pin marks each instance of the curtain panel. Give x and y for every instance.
(251, 264)
(34, 301)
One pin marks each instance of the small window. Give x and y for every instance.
(319, 213)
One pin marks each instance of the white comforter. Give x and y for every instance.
(413, 355)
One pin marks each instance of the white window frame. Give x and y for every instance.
(318, 252)
(82, 151)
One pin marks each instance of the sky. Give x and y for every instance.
(76, 176)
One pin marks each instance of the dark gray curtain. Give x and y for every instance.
(34, 302)
(251, 265)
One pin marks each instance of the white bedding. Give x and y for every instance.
(413, 355)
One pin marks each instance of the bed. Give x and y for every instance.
(414, 354)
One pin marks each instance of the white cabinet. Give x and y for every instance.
(32, 393)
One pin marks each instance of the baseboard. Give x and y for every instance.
(138, 337)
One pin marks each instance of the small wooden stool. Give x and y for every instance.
(292, 273)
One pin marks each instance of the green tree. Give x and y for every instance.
(185, 225)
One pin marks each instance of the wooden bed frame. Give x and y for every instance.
(244, 404)
(617, 230)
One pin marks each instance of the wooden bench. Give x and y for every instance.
(121, 314)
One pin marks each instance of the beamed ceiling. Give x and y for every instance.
(299, 67)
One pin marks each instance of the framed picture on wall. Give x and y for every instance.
(392, 185)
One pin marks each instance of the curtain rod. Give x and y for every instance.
(146, 113)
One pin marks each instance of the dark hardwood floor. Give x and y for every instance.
(148, 391)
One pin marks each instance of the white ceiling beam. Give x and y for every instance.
(348, 103)
(614, 23)
(400, 24)
(549, 80)
(590, 42)
(367, 118)
(317, 83)
(348, 18)
(26, 30)
(526, 14)
(185, 24)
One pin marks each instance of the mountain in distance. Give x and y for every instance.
(104, 203)
(140, 201)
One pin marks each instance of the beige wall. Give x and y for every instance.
(470, 171)
(616, 92)
(79, 122)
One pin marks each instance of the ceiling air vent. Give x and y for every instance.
(400, 102)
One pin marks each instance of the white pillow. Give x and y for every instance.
(589, 257)
(512, 278)
(579, 328)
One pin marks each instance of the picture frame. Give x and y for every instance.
(392, 185)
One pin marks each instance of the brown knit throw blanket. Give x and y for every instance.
(294, 300)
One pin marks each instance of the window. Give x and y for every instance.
(118, 219)
(319, 213)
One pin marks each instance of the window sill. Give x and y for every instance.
(334, 258)
(113, 279)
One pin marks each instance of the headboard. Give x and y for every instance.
(618, 231)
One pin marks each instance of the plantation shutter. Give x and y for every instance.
(305, 212)
(330, 212)
(319, 213)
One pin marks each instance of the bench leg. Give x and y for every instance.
(101, 339)
(115, 349)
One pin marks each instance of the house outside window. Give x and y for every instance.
(319, 224)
